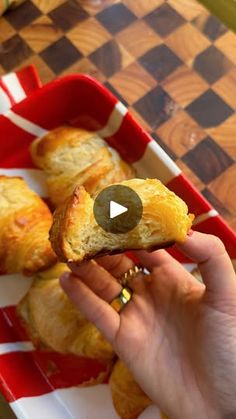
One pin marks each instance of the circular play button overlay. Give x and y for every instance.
(117, 209)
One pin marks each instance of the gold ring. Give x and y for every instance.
(127, 277)
(122, 299)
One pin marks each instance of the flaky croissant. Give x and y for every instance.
(76, 236)
(52, 321)
(72, 156)
(25, 221)
(128, 398)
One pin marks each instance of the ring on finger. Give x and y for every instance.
(119, 302)
(127, 277)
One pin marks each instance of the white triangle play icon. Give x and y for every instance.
(116, 209)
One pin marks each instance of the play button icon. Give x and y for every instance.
(117, 209)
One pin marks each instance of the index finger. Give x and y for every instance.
(116, 265)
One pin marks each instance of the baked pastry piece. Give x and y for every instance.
(25, 221)
(76, 236)
(53, 322)
(128, 398)
(73, 156)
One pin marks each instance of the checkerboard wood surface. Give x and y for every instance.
(169, 61)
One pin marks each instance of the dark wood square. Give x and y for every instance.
(13, 52)
(210, 26)
(214, 201)
(211, 64)
(116, 18)
(68, 14)
(164, 146)
(164, 20)
(108, 58)
(23, 16)
(53, 55)
(207, 160)
(209, 109)
(155, 107)
(160, 62)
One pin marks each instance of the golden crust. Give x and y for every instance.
(128, 398)
(25, 221)
(76, 236)
(52, 321)
(73, 156)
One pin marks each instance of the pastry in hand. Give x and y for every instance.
(25, 221)
(76, 236)
(73, 156)
(128, 398)
(52, 321)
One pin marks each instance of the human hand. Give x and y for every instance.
(176, 335)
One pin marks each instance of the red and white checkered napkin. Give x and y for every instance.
(16, 86)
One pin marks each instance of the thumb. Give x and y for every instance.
(214, 263)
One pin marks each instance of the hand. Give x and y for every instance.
(177, 336)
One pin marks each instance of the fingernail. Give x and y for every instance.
(190, 232)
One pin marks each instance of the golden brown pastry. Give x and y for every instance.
(52, 321)
(76, 236)
(73, 156)
(25, 221)
(128, 398)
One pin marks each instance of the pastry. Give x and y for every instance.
(73, 156)
(128, 398)
(25, 221)
(76, 236)
(52, 321)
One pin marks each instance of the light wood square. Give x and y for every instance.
(225, 134)
(142, 7)
(2, 71)
(224, 188)
(187, 8)
(227, 44)
(47, 5)
(95, 6)
(225, 87)
(41, 33)
(6, 30)
(138, 38)
(180, 133)
(187, 42)
(133, 82)
(88, 36)
(185, 85)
